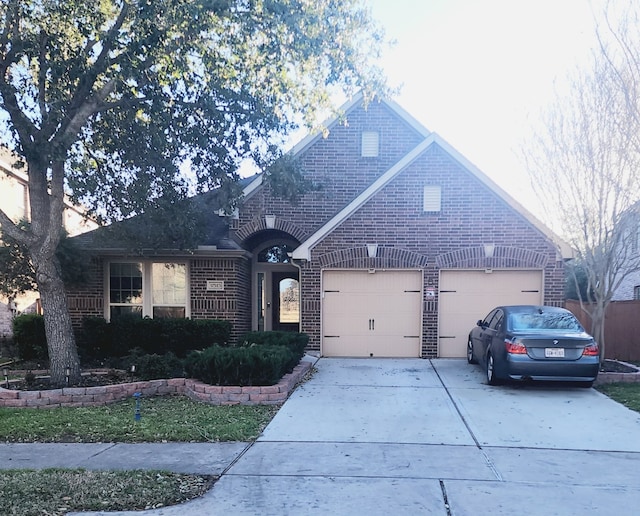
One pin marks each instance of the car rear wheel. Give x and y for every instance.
(491, 374)
(470, 357)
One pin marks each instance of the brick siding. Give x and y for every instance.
(471, 216)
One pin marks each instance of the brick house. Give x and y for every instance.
(404, 246)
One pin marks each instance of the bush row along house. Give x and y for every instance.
(14, 201)
(403, 246)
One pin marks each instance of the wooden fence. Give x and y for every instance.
(621, 328)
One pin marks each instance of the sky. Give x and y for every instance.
(478, 72)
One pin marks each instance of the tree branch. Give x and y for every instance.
(83, 103)
(11, 229)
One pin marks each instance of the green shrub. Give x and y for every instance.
(152, 366)
(95, 341)
(29, 337)
(184, 335)
(155, 367)
(101, 340)
(253, 365)
(295, 342)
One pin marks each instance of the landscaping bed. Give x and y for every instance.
(108, 392)
(613, 371)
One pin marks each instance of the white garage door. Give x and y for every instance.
(469, 295)
(371, 313)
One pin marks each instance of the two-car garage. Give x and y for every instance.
(378, 313)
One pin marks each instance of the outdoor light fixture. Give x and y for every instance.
(5, 372)
(68, 374)
(136, 411)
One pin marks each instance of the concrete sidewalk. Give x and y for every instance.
(381, 436)
(192, 458)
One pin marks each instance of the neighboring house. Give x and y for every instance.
(402, 249)
(629, 288)
(14, 200)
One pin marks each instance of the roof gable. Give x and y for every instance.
(430, 138)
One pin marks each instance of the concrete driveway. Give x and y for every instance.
(429, 437)
(381, 436)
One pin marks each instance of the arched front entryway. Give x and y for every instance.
(275, 285)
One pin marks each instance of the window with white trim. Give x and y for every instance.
(432, 198)
(147, 289)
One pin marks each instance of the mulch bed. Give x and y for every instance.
(613, 366)
(89, 379)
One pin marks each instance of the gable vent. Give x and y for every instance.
(370, 144)
(432, 199)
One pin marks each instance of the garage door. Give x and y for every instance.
(371, 313)
(466, 296)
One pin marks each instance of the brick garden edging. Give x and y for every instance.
(617, 377)
(613, 377)
(194, 389)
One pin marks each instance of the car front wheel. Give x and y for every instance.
(470, 357)
(491, 374)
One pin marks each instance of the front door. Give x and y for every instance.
(285, 301)
(276, 298)
(276, 289)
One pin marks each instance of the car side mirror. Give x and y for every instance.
(479, 323)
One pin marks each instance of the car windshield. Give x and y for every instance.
(543, 321)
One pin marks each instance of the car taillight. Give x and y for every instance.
(591, 350)
(515, 347)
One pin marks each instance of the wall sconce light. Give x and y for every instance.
(5, 372)
(270, 221)
(372, 250)
(489, 250)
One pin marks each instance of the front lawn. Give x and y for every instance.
(626, 393)
(177, 419)
(54, 492)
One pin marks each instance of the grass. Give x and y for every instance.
(56, 491)
(176, 419)
(628, 394)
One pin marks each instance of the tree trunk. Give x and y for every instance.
(63, 354)
(597, 329)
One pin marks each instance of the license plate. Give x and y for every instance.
(554, 352)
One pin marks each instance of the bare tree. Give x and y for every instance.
(584, 163)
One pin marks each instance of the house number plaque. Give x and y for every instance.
(215, 285)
